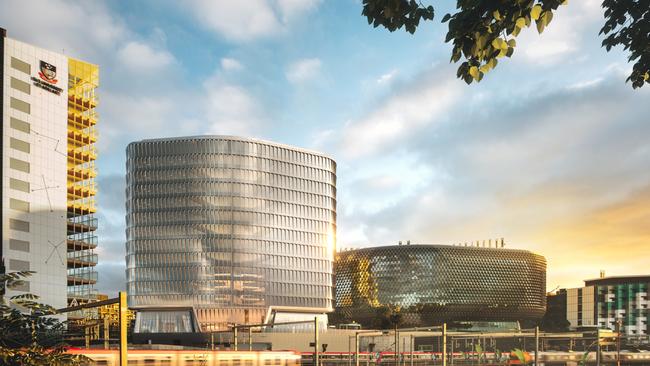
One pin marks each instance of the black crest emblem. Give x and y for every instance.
(48, 72)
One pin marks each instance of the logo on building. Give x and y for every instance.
(47, 78)
(48, 72)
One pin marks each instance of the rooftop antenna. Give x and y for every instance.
(602, 273)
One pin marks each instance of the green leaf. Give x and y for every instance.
(520, 23)
(499, 43)
(548, 16)
(496, 15)
(474, 72)
(536, 11)
(446, 18)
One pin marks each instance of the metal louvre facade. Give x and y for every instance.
(230, 227)
(432, 284)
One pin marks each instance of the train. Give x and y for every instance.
(293, 358)
(190, 357)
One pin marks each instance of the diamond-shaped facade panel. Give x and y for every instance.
(432, 284)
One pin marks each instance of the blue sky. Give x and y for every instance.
(551, 151)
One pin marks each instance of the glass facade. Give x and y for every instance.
(232, 227)
(432, 284)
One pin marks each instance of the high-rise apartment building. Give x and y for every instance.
(224, 229)
(603, 302)
(48, 171)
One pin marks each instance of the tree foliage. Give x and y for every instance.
(29, 334)
(482, 32)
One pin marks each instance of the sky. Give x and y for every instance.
(551, 151)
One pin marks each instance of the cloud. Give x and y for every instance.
(387, 77)
(243, 21)
(563, 37)
(142, 58)
(112, 278)
(73, 36)
(292, 9)
(230, 64)
(303, 70)
(563, 173)
(230, 109)
(414, 105)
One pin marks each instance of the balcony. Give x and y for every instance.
(81, 276)
(81, 259)
(79, 103)
(81, 226)
(77, 173)
(80, 121)
(81, 156)
(76, 191)
(79, 138)
(76, 244)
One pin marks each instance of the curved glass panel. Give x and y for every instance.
(229, 226)
(432, 284)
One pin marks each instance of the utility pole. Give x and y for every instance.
(234, 334)
(397, 358)
(316, 341)
(107, 333)
(444, 344)
(349, 353)
(356, 349)
(598, 347)
(618, 341)
(536, 346)
(412, 346)
(123, 309)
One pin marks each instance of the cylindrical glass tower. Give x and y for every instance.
(236, 230)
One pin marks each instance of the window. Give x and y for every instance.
(19, 245)
(19, 105)
(19, 185)
(18, 164)
(24, 286)
(18, 205)
(19, 225)
(19, 145)
(20, 85)
(21, 65)
(18, 265)
(19, 125)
